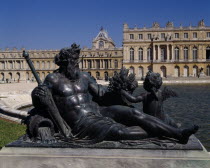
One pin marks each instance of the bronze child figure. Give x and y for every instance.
(154, 98)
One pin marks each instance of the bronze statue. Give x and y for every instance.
(154, 98)
(70, 105)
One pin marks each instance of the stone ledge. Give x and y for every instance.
(101, 158)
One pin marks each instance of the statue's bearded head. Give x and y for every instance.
(68, 61)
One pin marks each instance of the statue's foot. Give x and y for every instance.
(45, 136)
(186, 133)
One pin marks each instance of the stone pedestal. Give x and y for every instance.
(100, 158)
(149, 153)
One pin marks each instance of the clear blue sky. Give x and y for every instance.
(53, 24)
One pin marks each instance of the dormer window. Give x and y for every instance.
(101, 44)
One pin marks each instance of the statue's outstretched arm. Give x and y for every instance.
(131, 98)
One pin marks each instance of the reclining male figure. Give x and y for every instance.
(71, 90)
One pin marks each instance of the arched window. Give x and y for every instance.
(163, 71)
(131, 54)
(27, 75)
(97, 75)
(140, 54)
(141, 72)
(176, 71)
(208, 70)
(131, 70)
(18, 76)
(10, 75)
(185, 53)
(195, 70)
(176, 53)
(149, 54)
(186, 71)
(195, 53)
(2, 77)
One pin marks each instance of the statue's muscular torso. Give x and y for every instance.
(71, 97)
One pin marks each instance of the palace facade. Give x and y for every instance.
(170, 51)
(100, 61)
(103, 59)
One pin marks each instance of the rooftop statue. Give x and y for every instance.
(70, 106)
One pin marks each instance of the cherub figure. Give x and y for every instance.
(154, 98)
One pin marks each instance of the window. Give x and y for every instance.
(194, 35)
(140, 54)
(208, 34)
(149, 36)
(176, 53)
(185, 35)
(195, 53)
(140, 36)
(176, 35)
(101, 44)
(132, 54)
(115, 64)
(162, 35)
(149, 54)
(115, 53)
(185, 53)
(131, 36)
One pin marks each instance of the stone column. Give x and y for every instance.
(172, 52)
(167, 54)
(24, 65)
(159, 53)
(190, 53)
(144, 53)
(5, 64)
(13, 64)
(154, 53)
(204, 53)
(181, 52)
(136, 54)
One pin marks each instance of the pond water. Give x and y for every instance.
(192, 106)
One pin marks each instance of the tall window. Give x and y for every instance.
(97, 64)
(131, 36)
(132, 54)
(195, 53)
(176, 53)
(194, 35)
(162, 35)
(149, 36)
(185, 53)
(115, 64)
(208, 34)
(185, 35)
(140, 36)
(176, 35)
(89, 64)
(106, 64)
(149, 54)
(140, 54)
